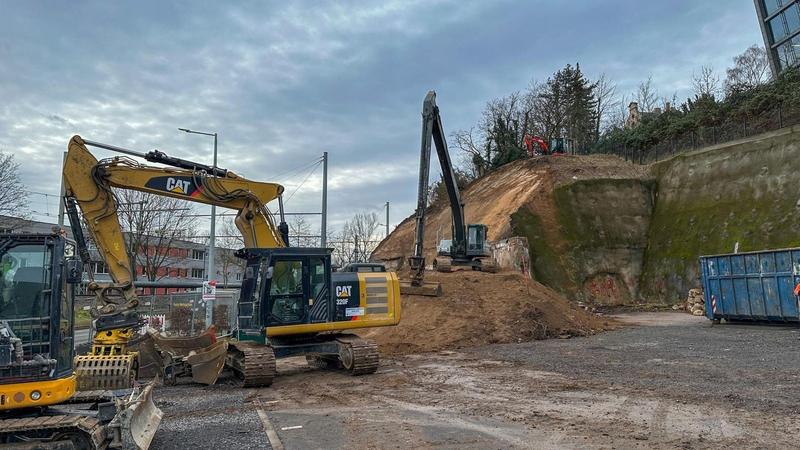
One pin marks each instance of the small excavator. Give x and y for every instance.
(290, 302)
(467, 247)
(41, 405)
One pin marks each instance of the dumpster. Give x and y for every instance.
(753, 286)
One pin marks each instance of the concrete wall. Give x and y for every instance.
(746, 191)
(596, 254)
(623, 240)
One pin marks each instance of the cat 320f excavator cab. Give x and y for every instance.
(290, 302)
(39, 405)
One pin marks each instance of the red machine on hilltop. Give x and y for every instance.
(536, 145)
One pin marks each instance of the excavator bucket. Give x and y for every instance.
(173, 356)
(182, 346)
(137, 420)
(208, 363)
(427, 288)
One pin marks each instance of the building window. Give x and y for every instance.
(777, 28)
(788, 52)
(198, 254)
(198, 273)
(792, 14)
(770, 6)
(238, 276)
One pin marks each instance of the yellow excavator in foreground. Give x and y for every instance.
(40, 407)
(291, 303)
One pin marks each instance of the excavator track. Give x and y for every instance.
(45, 431)
(358, 356)
(254, 363)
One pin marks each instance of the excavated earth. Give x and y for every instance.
(479, 308)
(494, 198)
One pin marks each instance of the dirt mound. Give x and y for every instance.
(479, 308)
(492, 199)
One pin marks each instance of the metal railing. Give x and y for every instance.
(726, 131)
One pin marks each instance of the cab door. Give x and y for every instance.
(287, 292)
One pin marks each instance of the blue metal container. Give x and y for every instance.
(753, 286)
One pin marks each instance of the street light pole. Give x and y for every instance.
(211, 269)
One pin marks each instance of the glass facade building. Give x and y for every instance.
(780, 25)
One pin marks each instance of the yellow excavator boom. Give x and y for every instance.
(89, 182)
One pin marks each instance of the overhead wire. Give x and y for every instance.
(311, 172)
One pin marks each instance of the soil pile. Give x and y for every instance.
(481, 308)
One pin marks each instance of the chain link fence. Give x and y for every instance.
(179, 314)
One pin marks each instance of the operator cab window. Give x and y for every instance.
(286, 291)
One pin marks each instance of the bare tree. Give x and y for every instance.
(228, 241)
(470, 144)
(605, 91)
(13, 197)
(646, 95)
(668, 103)
(154, 225)
(358, 238)
(705, 83)
(619, 113)
(300, 233)
(750, 69)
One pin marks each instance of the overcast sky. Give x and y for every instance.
(281, 82)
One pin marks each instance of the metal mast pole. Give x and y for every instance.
(324, 228)
(212, 273)
(387, 219)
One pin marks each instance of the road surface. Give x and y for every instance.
(670, 380)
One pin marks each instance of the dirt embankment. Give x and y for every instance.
(480, 308)
(585, 219)
(494, 198)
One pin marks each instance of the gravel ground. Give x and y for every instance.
(668, 381)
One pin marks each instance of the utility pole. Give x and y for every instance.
(212, 273)
(387, 219)
(324, 229)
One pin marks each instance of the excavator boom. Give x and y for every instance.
(89, 182)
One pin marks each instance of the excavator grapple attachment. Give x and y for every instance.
(105, 372)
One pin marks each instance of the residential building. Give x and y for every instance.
(780, 26)
(183, 262)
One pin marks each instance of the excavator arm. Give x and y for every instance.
(88, 184)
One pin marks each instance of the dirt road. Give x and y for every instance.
(670, 381)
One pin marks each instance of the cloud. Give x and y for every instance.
(282, 82)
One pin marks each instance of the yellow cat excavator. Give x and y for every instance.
(291, 303)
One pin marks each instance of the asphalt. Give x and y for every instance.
(666, 380)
